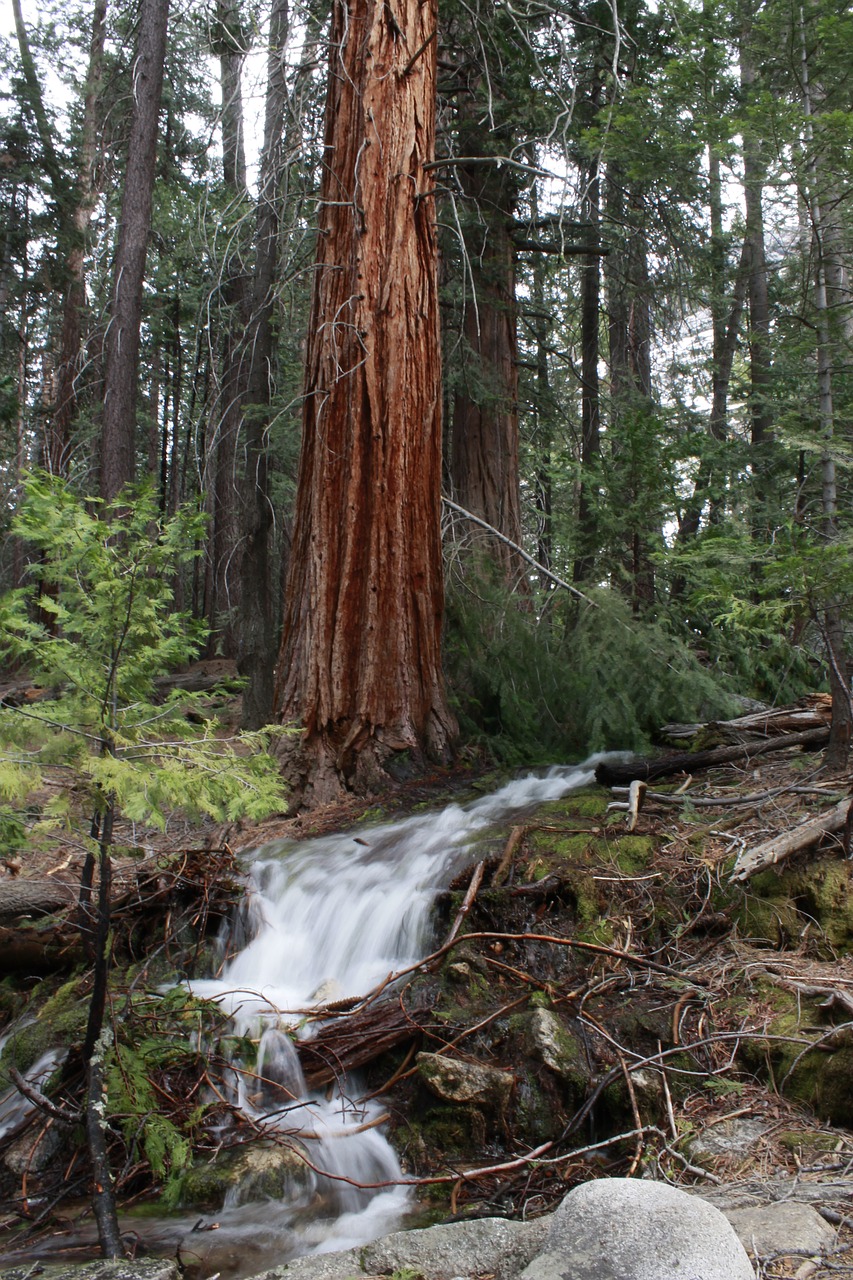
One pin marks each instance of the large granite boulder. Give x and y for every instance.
(631, 1229)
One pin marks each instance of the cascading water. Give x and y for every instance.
(331, 918)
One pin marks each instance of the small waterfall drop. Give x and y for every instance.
(327, 919)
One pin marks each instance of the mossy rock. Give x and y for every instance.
(264, 1171)
(633, 854)
(777, 907)
(450, 1130)
(822, 892)
(59, 1023)
(537, 1115)
(543, 1036)
(765, 913)
(810, 1067)
(579, 848)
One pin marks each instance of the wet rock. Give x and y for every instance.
(122, 1269)
(630, 1229)
(28, 1156)
(469, 1082)
(344, 1265)
(773, 1229)
(233, 1250)
(265, 1171)
(492, 1246)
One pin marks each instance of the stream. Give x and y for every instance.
(325, 919)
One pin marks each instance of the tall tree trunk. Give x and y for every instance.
(543, 412)
(841, 729)
(360, 665)
(64, 408)
(760, 370)
(222, 579)
(256, 656)
(118, 441)
(588, 536)
(726, 315)
(484, 438)
(629, 328)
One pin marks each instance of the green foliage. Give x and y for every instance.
(564, 678)
(97, 629)
(757, 606)
(154, 1056)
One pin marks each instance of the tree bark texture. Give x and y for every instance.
(360, 664)
(222, 569)
(760, 368)
(256, 653)
(118, 444)
(629, 330)
(64, 409)
(484, 454)
(590, 286)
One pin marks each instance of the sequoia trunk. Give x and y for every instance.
(360, 658)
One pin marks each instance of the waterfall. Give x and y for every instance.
(330, 918)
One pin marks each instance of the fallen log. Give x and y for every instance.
(812, 713)
(20, 897)
(782, 846)
(346, 1043)
(612, 774)
(53, 948)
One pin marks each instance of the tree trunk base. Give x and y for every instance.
(321, 773)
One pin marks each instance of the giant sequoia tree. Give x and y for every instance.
(360, 665)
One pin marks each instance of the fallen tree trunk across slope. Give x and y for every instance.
(615, 774)
(782, 846)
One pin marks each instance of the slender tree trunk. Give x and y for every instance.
(754, 172)
(726, 313)
(360, 664)
(118, 443)
(841, 729)
(629, 329)
(544, 414)
(588, 535)
(222, 577)
(256, 657)
(64, 408)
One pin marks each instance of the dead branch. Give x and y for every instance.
(782, 846)
(516, 835)
(636, 795)
(40, 1100)
(468, 901)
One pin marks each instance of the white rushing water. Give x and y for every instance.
(331, 918)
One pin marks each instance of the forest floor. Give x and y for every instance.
(654, 1016)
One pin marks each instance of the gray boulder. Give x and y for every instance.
(494, 1246)
(631, 1229)
(773, 1229)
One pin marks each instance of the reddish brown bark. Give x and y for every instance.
(360, 657)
